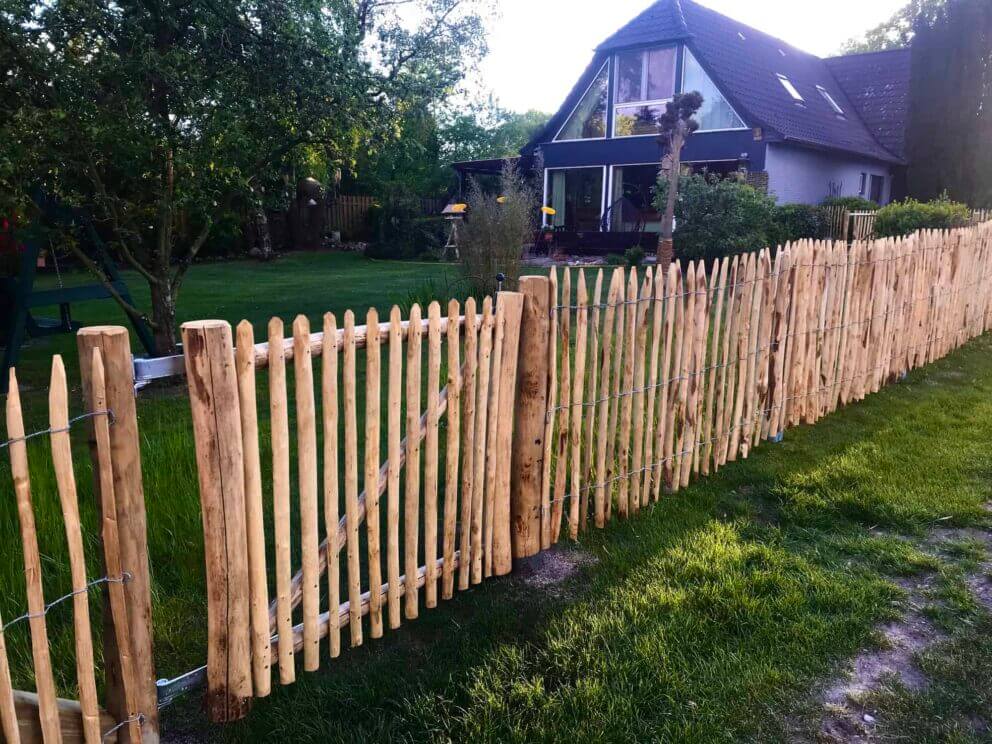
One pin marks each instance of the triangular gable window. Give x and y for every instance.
(588, 120)
(716, 112)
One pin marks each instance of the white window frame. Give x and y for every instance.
(790, 88)
(830, 100)
(685, 51)
(603, 191)
(614, 80)
(579, 102)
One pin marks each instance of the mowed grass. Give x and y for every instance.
(711, 616)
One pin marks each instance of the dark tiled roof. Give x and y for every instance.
(662, 21)
(745, 71)
(878, 85)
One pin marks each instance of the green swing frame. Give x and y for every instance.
(19, 297)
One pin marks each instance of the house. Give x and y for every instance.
(799, 126)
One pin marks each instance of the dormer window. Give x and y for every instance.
(790, 88)
(645, 81)
(830, 100)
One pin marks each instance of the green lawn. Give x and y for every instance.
(716, 615)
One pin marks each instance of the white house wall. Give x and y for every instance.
(798, 174)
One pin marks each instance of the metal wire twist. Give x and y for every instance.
(61, 429)
(122, 579)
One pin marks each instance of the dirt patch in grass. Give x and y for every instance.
(846, 719)
(849, 717)
(552, 570)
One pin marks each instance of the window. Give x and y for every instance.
(576, 195)
(631, 206)
(830, 100)
(588, 120)
(789, 87)
(645, 80)
(864, 184)
(716, 113)
(877, 184)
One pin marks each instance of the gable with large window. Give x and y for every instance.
(588, 120)
(645, 81)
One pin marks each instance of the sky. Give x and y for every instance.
(538, 48)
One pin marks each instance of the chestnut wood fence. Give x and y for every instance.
(129, 709)
(417, 456)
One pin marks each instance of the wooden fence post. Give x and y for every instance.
(512, 305)
(115, 348)
(529, 415)
(213, 395)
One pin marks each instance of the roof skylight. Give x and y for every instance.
(830, 100)
(789, 87)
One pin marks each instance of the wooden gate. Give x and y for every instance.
(251, 629)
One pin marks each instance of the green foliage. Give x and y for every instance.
(434, 288)
(400, 230)
(633, 256)
(896, 32)
(851, 203)
(615, 259)
(902, 218)
(487, 132)
(496, 228)
(718, 217)
(950, 104)
(797, 222)
(163, 118)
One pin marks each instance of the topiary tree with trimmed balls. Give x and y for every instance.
(676, 126)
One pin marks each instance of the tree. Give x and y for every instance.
(676, 126)
(161, 117)
(488, 131)
(950, 104)
(895, 33)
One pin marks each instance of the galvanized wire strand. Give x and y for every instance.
(138, 718)
(61, 429)
(122, 579)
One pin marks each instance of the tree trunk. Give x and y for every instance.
(263, 239)
(164, 318)
(666, 248)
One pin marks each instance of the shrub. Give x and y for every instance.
(496, 228)
(797, 222)
(439, 289)
(615, 259)
(634, 256)
(851, 203)
(902, 218)
(399, 229)
(718, 217)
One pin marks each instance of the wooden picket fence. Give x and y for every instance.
(130, 706)
(662, 376)
(349, 214)
(580, 398)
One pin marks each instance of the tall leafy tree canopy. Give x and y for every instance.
(949, 139)
(158, 115)
(896, 32)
